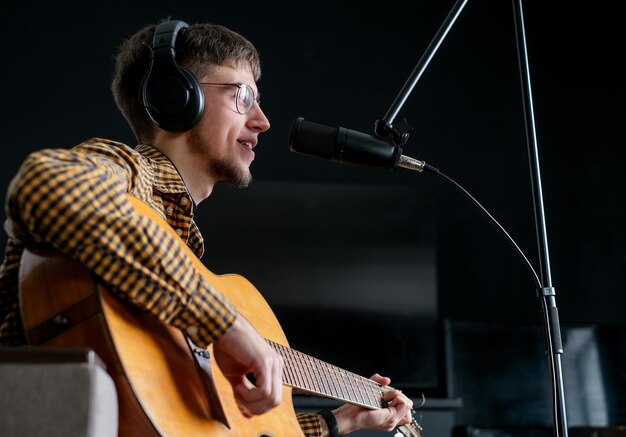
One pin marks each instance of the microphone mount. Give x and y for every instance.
(399, 132)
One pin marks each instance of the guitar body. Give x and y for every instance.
(162, 389)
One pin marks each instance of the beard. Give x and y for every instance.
(221, 169)
(228, 171)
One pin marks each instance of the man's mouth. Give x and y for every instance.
(249, 144)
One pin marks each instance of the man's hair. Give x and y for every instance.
(199, 48)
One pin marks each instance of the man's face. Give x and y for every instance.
(224, 139)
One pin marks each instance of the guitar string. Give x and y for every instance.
(347, 385)
(307, 364)
(296, 359)
(372, 390)
(344, 382)
(341, 390)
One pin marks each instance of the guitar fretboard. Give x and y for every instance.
(317, 377)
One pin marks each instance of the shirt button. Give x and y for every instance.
(169, 209)
(192, 330)
(184, 201)
(179, 232)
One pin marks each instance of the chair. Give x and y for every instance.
(56, 392)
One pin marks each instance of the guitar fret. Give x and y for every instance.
(288, 367)
(364, 384)
(350, 387)
(376, 394)
(314, 374)
(332, 384)
(336, 383)
(323, 377)
(362, 391)
(287, 356)
(312, 377)
(367, 387)
(359, 392)
(288, 375)
(302, 371)
(366, 390)
(345, 380)
(298, 381)
(342, 385)
(317, 378)
(305, 371)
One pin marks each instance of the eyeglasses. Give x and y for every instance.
(244, 100)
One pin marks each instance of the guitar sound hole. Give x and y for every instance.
(263, 434)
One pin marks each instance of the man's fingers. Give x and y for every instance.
(242, 351)
(382, 380)
(253, 401)
(267, 391)
(399, 407)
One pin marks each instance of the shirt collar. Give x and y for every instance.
(167, 179)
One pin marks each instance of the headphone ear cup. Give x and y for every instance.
(173, 101)
(171, 94)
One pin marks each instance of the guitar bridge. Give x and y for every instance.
(201, 358)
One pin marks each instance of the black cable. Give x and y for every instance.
(519, 251)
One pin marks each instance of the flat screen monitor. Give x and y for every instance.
(349, 269)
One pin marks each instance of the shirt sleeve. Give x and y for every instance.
(310, 424)
(75, 200)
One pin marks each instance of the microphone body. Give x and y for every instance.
(343, 145)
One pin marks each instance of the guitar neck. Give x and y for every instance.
(319, 378)
(316, 377)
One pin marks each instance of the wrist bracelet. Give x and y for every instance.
(331, 421)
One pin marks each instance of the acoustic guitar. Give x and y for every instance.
(167, 386)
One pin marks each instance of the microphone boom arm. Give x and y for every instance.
(386, 127)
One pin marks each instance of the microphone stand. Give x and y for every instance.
(547, 294)
(399, 133)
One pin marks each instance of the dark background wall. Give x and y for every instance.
(342, 63)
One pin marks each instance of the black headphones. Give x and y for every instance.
(170, 93)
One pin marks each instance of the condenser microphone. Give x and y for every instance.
(348, 147)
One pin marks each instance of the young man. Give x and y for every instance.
(75, 201)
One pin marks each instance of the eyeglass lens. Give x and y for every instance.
(245, 98)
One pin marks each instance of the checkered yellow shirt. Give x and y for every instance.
(74, 200)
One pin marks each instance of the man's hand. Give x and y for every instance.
(351, 418)
(241, 351)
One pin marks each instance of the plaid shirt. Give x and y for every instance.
(74, 200)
